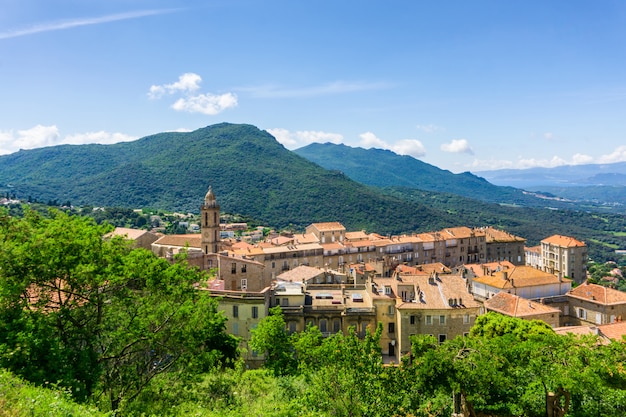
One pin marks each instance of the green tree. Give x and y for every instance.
(96, 316)
(271, 338)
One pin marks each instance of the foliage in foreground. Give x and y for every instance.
(19, 398)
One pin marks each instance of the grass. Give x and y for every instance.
(22, 399)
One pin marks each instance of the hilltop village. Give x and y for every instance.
(433, 283)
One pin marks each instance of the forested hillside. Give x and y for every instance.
(255, 176)
(251, 173)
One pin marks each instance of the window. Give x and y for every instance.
(412, 319)
(429, 320)
(442, 338)
(292, 327)
(323, 326)
(337, 326)
(255, 312)
(582, 313)
(387, 290)
(392, 327)
(244, 268)
(233, 268)
(466, 319)
(236, 329)
(391, 310)
(284, 302)
(235, 311)
(442, 319)
(273, 265)
(244, 284)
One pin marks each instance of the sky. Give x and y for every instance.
(462, 85)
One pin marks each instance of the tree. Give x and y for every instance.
(95, 315)
(271, 338)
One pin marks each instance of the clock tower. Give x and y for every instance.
(210, 223)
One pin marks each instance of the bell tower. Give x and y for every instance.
(210, 223)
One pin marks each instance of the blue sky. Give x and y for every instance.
(463, 85)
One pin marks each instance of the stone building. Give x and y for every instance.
(565, 256)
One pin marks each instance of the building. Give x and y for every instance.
(592, 304)
(515, 306)
(487, 280)
(503, 246)
(565, 256)
(140, 238)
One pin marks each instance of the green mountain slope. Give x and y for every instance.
(383, 168)
(250, 171)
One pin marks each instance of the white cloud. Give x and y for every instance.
(188, 82)
(369, 140)
(411, 147)
(303, 137)
(458, 146)
(618, 155)
(555, 161)
(490, 164)
(208, 104)
(548, 135)
(430, 128)
(337, 87)
(580, 159)
(102, 137)
(69, 24)
(42, 136)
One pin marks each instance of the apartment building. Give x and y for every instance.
(565, 256)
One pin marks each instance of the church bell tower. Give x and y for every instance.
(210, 223)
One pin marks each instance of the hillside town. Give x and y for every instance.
(434, 283)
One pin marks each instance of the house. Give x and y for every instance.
(140, 238)
(503, 246)
(489, 279)
(515, 306)
(592, 304)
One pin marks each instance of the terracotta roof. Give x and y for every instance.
(598, 294)
(489, 268)
(435, 294)
(361, 243)
(192, 240)
(306, 238)
(563, 241)
(329, 226)
(614, 331)
(458, 232)
(281, 240)
(495, 235)
(518, 277)
(300, 273)
(515, 306)
(356, 235)
(535, 249)
(129, 233)
(291, 248)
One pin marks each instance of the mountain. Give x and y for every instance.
(603, 184)
(383, 168)
(251, 174)
(561, 176)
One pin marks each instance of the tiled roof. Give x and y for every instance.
(129, 233)
(306, 238)
(534, 249)
(333, 245)
(495, 235)
(192, 240)
(519, 277)
(461, 232)
(300, 273)
(356, 235)
(328, 226)
(598, 294)
(563, 241)
(614, 331)
(515, 306)
(291, 248)
(281, 240)
(435, 293)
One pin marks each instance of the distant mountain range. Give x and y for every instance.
(599, 183)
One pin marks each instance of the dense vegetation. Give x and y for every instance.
(96, 318)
